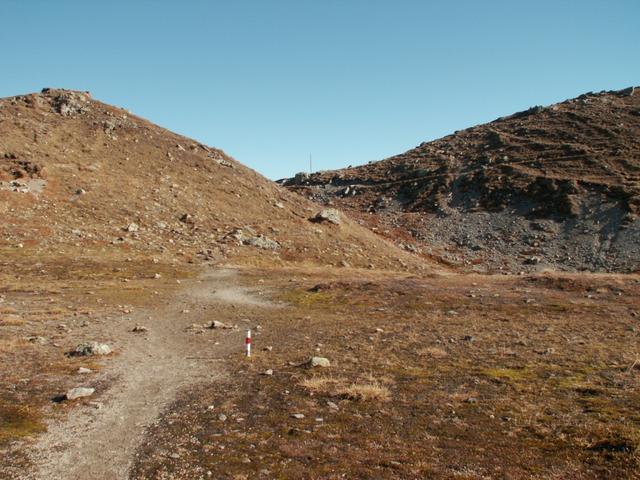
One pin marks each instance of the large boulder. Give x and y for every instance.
(330, 215)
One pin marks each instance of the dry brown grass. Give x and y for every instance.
(366, 391)
(11, 344)
(433, 352)
(17, 421)
(11, 321)
(320, 384)
(369, 389)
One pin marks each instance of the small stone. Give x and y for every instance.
(139, 329)
(319, 362)
(298, 416)
(268, 372)
(217, 324)
(268, 348)
(79, 392)
(332, 405)
(157, 275)
(222, 417)
(532, 261)
(92, 348)
(84, 370)
(187, 218)
(132, 227)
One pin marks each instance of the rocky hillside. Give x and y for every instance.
(77, 175)
(554, 187)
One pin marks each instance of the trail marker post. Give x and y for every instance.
(247, 343)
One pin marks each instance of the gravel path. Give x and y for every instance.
(149, 371)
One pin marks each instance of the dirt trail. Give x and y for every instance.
(149, 371)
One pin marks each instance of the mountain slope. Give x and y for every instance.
(79, 175)
(551, 187)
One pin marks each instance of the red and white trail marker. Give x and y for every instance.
(247, 343)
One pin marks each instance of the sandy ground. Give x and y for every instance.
(100, 440)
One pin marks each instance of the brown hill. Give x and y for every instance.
(551, 187)
(78, 175)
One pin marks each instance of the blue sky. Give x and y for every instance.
(350, 81)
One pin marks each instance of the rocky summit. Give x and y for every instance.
(549, 188)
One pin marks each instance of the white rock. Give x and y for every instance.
(319, 362)
(79, 392)
(93, 348)
(330, 215)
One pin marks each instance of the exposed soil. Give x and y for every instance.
(552, 187)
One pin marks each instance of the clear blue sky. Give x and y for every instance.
(348, 80)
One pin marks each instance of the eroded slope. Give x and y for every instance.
(551, 187)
